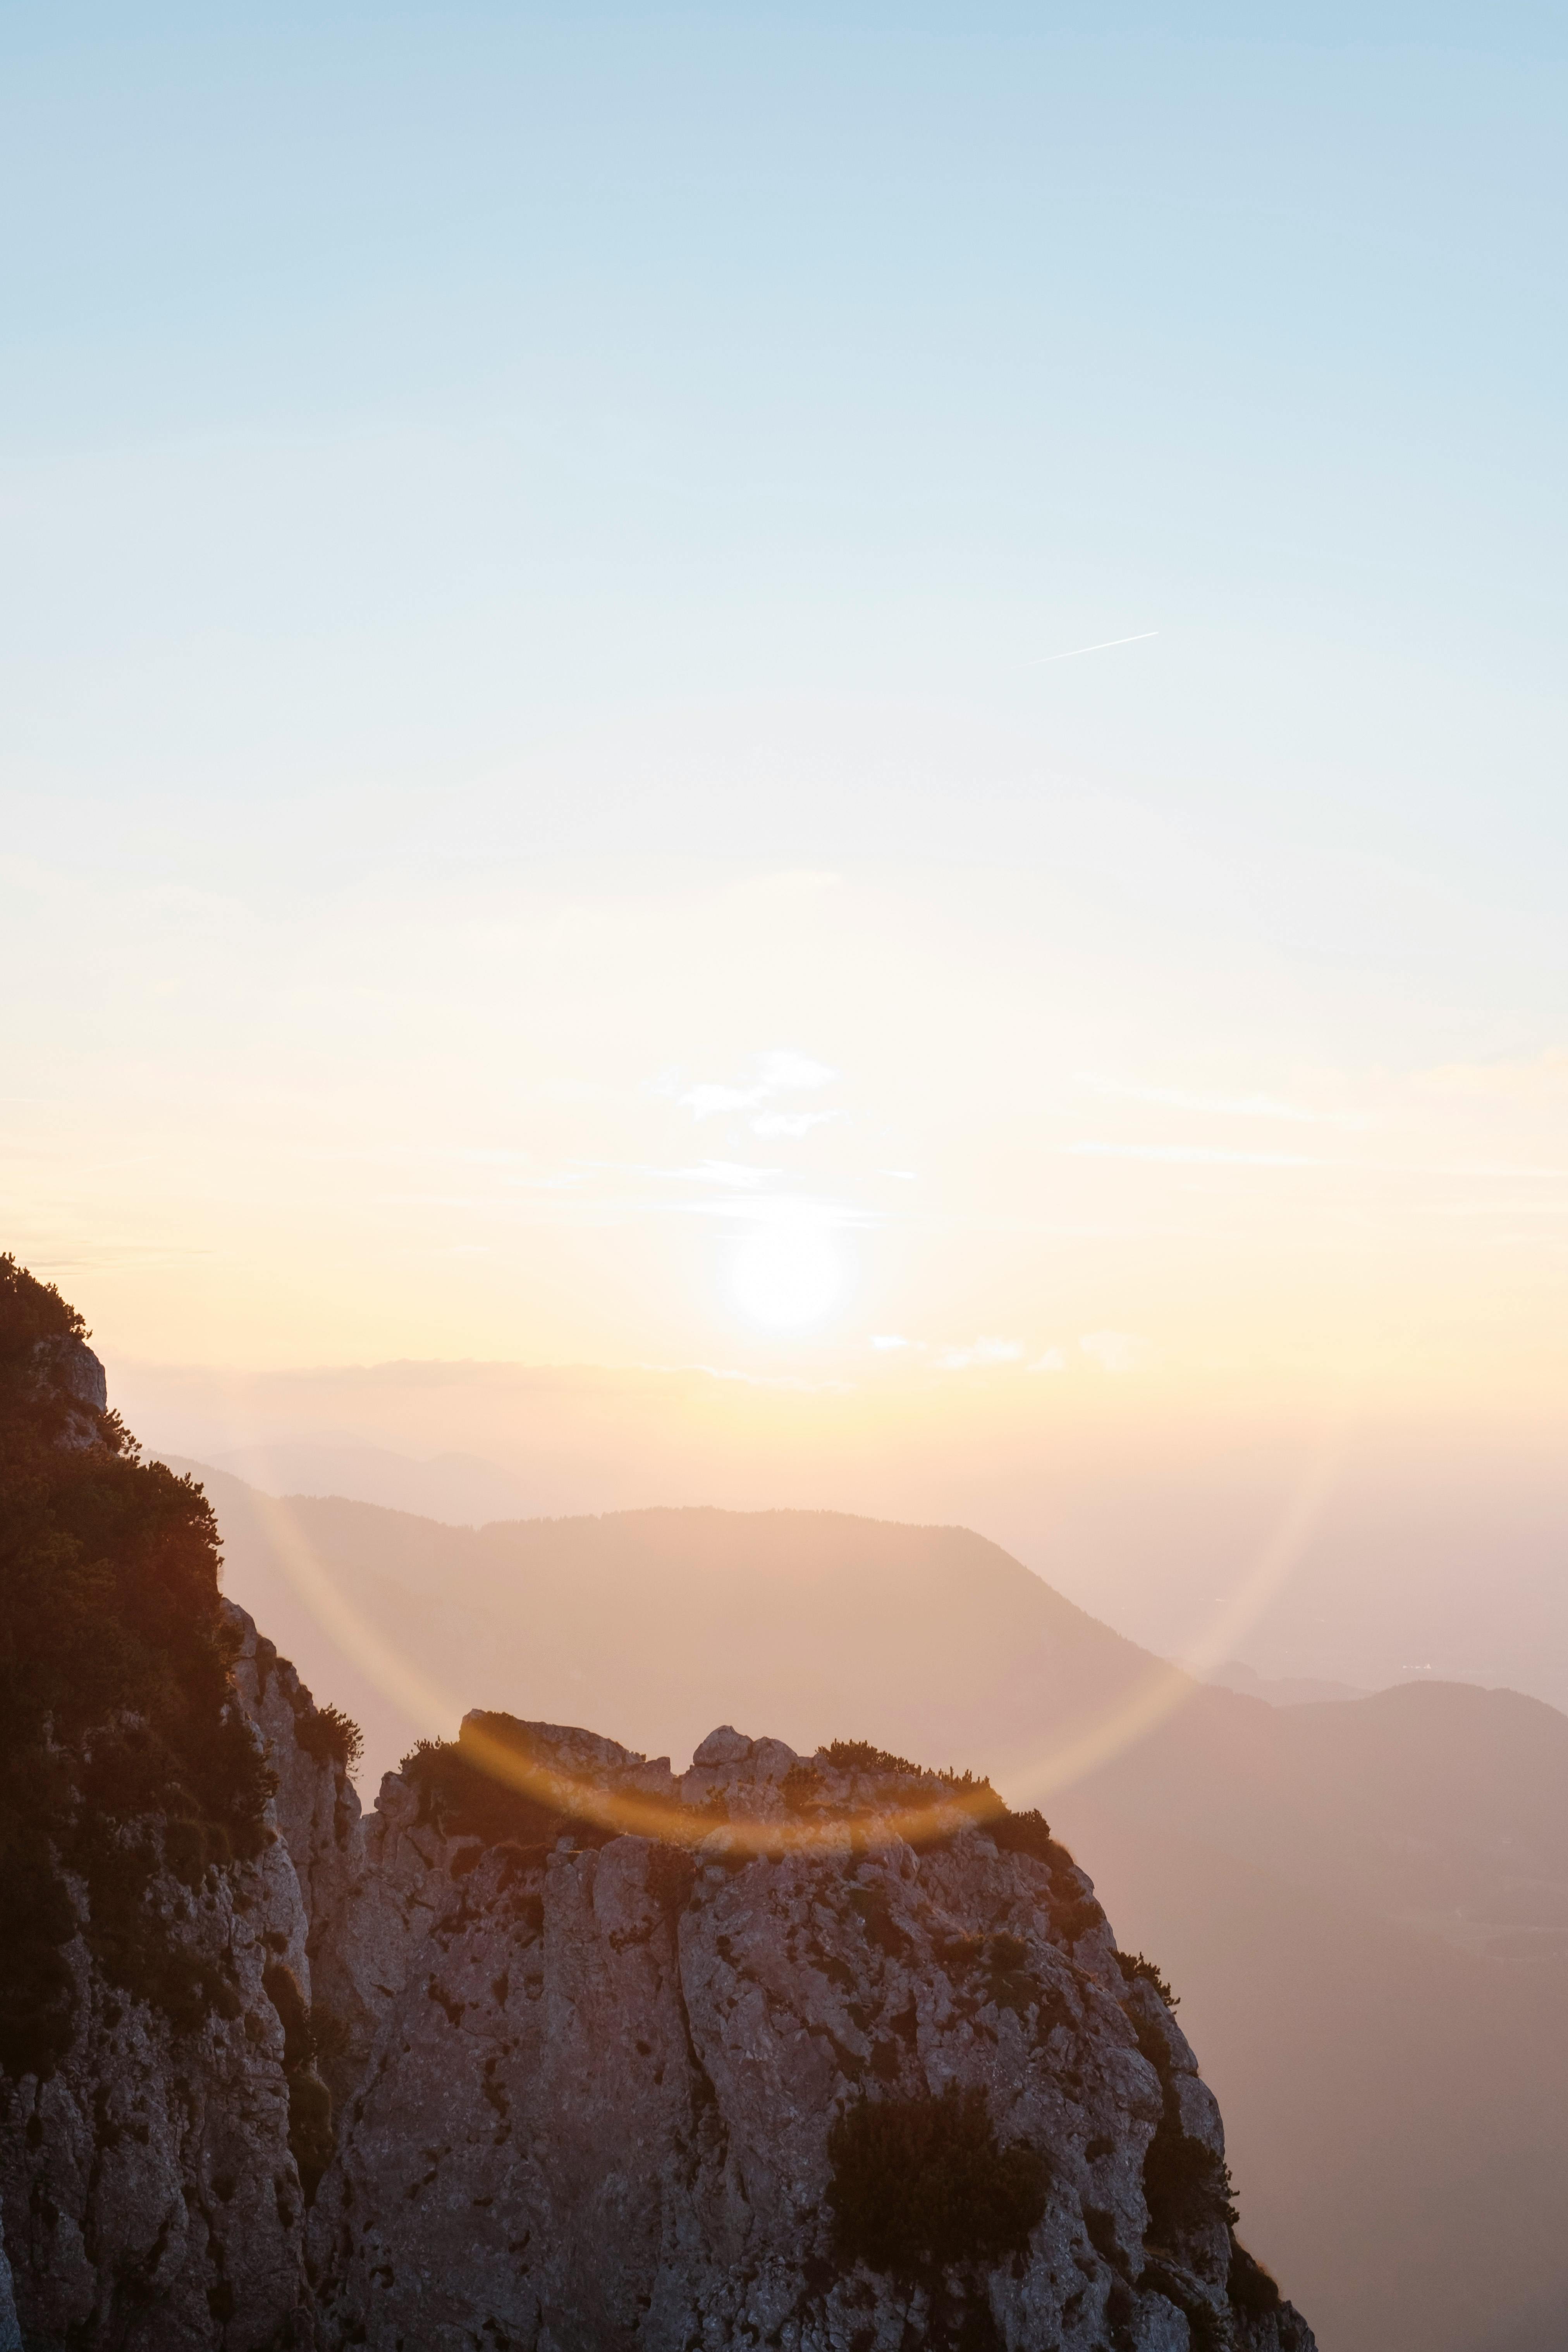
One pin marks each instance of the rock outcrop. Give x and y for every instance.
(556, 2050)
(600, 2105)
(155, 2178)
(152, 2179)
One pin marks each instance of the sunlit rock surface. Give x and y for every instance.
(596, 2107)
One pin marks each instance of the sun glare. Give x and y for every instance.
(786, 1275)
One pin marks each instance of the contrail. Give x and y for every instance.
(1104, 647)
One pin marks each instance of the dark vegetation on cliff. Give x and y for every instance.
(461, 1799)
(922, 2184)
(120, 1748)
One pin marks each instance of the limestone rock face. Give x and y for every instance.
(596, 2108)
(66, 1369)
(585, 2090)
(152, 2184)
(151, 2197)
(316, 1809)
(317, 1813)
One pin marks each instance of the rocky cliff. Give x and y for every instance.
(555, 2048)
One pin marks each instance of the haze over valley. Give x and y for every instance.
(1349, 1546)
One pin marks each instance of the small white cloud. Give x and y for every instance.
(1115, 1352)
(982, 1352)
(1051, 1360)
(790, 1123)
(778, 1073)
(904, 1175)
(890, 1339)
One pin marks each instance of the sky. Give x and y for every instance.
(862, 697)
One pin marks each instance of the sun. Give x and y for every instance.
(787, 1274)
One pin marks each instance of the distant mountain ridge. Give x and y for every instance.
(1373, 1860)
(1279, 1690)
(461, 1488)
(1437, 1540)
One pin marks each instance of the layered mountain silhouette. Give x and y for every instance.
(1364, 1903)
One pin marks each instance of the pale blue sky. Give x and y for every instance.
(387, 389)
(550, 448)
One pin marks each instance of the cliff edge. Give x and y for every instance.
(555, 2049)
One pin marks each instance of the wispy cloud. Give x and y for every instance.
(982, 1352)
(1140, 636)
(736, 1175)
(1193, 1153)
(1224, 1106)
(800, 1381)
(1217, 1155)
(790, 1124)
(784, 1071)
(1115, 1352)
(799, 1212)
(1497, 1208)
